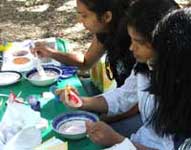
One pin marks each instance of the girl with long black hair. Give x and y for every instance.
(171, 82)
(105, 19)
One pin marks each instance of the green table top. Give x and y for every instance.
(52, 108)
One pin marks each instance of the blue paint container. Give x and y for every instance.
(34, 103)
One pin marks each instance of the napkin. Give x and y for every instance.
(19, 128)
(25, 139)
(20, 114)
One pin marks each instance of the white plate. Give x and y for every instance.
(9, 77)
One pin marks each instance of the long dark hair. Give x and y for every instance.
(117, 40)
(143, 15)
(172, 75)
(119, 56)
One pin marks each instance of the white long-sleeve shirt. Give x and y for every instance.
(122, 99)
(127, 93)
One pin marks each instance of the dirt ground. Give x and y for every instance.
(33, 19)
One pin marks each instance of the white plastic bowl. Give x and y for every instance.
(71, 125)
(44, 81)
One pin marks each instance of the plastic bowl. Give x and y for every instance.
(72, 125)
(44, 81)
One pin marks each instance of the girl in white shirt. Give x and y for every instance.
(143, 15)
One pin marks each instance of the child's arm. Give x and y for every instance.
(84, 62)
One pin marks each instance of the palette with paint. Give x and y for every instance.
(20, 53)
(19, 57)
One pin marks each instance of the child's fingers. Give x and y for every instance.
(69, 87)
(59, 91)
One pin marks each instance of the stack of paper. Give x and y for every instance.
(53, 144)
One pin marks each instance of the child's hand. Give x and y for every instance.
(69, 96)
(42, 50)
(102, 134)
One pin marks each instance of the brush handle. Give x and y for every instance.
(39, 67)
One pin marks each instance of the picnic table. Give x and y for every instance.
(52, 108)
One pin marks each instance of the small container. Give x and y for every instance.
(4, 45)
(34, 103)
